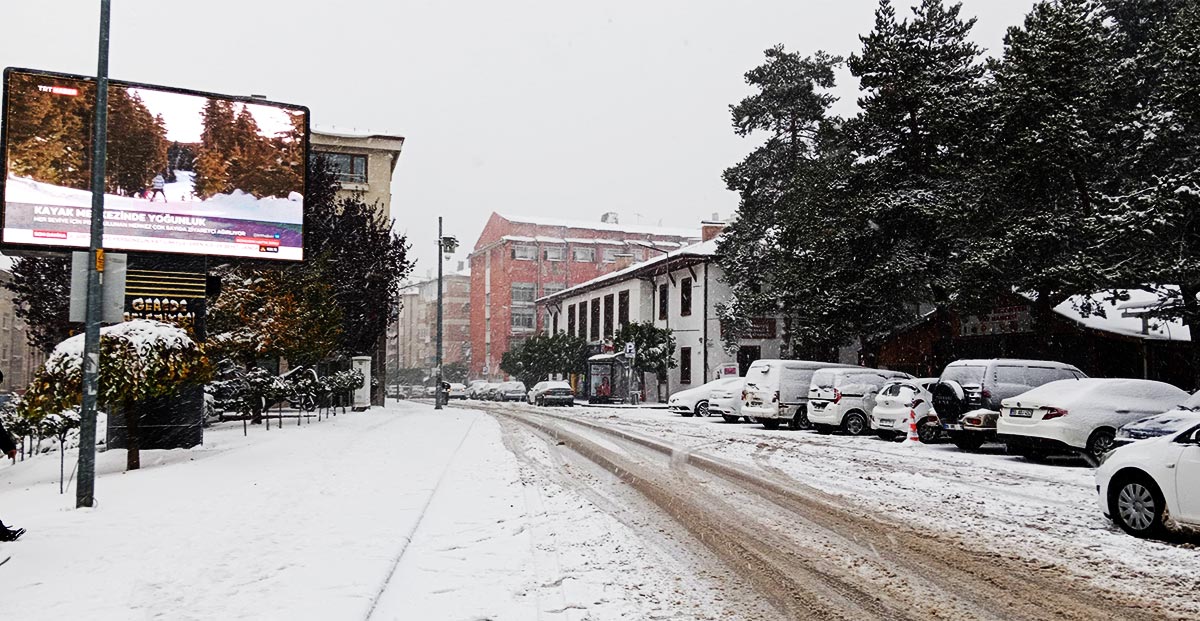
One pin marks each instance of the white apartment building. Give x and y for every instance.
(678, 290)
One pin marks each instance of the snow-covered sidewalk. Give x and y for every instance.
(400, 512)
(304, 522)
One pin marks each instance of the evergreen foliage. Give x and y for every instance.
(543, 355)
(654, 346)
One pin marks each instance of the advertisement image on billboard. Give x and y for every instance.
(185, 172)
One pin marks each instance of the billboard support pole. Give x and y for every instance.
(91, 343)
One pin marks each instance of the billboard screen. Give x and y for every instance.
(186, 172)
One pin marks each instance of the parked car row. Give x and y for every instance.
(1144, 434)
(542, 393)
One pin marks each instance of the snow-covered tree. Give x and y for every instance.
(41, 288)
(139, 360)
(1046, 158)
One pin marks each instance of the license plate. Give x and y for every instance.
(952, 427)
(886, 422)
(1020, 413)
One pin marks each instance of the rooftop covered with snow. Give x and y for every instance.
(675, 259)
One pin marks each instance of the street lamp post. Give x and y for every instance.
(446, 245)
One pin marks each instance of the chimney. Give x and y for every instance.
(710, 229)
(609, 218)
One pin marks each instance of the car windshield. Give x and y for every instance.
(894, 389)
(1193, 402)
(964, 374)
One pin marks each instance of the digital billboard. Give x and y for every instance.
(185, 172)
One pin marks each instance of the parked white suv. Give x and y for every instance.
(776, 391)
(1140, 483)
(844, 397)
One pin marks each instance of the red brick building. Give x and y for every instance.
(520, 259)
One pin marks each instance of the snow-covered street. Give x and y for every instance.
(398, 513)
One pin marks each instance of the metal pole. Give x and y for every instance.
(438, 393)
(91, 343)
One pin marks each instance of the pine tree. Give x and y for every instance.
(213, 174)
(1047, 160)
(1154, 216)
(41, 288)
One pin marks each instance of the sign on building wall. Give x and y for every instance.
(170, 297)
(1003, 320)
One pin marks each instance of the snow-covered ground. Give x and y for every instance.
(1047, 513)
(397, 513)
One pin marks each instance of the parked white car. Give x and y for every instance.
(1080, 414)
(475, 389)
(552, 393)
(458, 391)
(510, 391)
(694, 401)
(726, 401)
(776, 391)
(1140, 483)
(1163, 424)
(843, 398)
(896, 400)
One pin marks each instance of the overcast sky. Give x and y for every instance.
(551, 107)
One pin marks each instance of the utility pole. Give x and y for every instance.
(438, 394)
(91, 341)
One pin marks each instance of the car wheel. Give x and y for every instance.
(541, 402)
(929, 432)
(770, 423)
(967, 441)
(702, 409)
(1137, 505)
(799, 420)
(854, 424)
(729, 419)
(1100, 442)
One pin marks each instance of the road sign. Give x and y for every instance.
(630, 350)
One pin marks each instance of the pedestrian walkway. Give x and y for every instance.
(296, 523)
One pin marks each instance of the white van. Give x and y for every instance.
(777, 391)
(844, 398)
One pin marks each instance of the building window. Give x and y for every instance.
(552, 288)
(583, 255)
(554, 253)
(582, 310)
(622, 309)
(523, 318)
(685, 365)
(608, 316)
(524, 253)
(524, 293)
(610, 255)
(685, 297)
(639, 254)
(347, 167)
(663, 292)
(571, 320)
(554, 323)
(594, 322)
